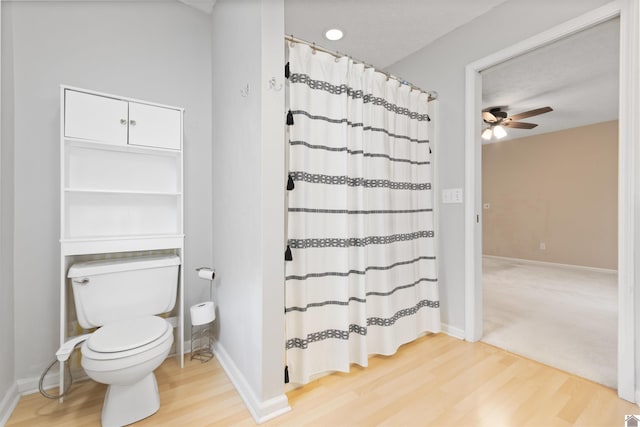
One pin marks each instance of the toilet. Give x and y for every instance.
(123, 298)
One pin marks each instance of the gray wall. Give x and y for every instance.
(441, 66)
(157, 51)
(248, 191)
(7, 349)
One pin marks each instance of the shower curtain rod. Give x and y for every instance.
(433, 95)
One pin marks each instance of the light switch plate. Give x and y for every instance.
(452, 195)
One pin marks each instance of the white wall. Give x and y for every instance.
(7, 349)
(158, 51)
(248, 201)
(441, 66)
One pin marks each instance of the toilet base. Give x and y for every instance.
(126, 404)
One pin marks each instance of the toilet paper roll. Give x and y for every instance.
(206, 273)
(203, 313)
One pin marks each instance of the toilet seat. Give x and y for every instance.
(126, 338)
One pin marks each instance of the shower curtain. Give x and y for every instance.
(361, 275)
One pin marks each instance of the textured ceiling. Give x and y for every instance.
(380, 32)
(576, 76)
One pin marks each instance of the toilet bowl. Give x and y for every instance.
(122, 298)
(123, 354)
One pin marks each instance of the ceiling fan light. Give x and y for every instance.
(499, 132)
(487, 134)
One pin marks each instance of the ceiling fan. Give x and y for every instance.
(497, 119)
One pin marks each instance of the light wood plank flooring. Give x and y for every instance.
(434, 381)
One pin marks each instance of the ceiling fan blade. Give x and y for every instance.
(531, 113)
(488, 117)
(519, 125)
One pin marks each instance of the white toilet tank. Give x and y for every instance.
(117, 289)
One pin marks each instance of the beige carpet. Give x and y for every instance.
(559, 316)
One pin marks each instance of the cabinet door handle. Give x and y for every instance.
(132, 122)
(123, 121)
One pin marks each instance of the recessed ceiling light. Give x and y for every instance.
(334, 34)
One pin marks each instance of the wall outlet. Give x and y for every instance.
(543, 246)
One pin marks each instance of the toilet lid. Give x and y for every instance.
(127, 334)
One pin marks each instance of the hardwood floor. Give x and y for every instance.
(434, 381)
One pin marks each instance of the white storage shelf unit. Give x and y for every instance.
(121, 183)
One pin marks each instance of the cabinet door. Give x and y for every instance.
(95, 118)
(154, 126)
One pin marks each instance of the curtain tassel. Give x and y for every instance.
(289, 118)
(290, 184)
(286, 375)
(287, 254)
(287, 71)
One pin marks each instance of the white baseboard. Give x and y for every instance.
(553, 264)
(30, 385)
(453, 331)
(260, 411)
(8, 404)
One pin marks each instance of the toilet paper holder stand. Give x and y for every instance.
(202, 334)
(208, 274)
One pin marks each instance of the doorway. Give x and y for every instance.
(628, 170)
(549, 191)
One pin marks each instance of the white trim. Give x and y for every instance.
(8, 404)
(28, 386)
(629, 173)
(553, 264)
(273, 408)
(260, 411)
(472, 227)
(452, 331)
(63, 87)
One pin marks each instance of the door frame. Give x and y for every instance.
(628, 176)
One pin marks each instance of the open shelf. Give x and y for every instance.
(89, 168)
(141, 192)
(104, 245)
(107, 213)
(97, 145)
